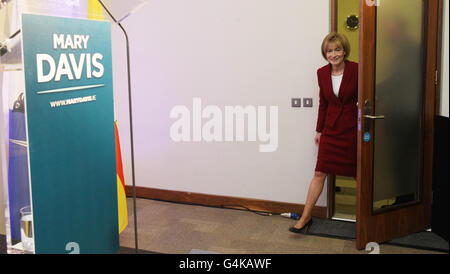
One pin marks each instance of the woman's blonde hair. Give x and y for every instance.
(340, 39)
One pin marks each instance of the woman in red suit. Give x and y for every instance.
(336, 123)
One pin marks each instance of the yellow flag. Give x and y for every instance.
(95, 10)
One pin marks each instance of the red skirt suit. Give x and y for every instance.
(337, 121)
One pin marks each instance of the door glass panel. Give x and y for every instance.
(398, 96)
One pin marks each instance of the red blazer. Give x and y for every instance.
(338, 114)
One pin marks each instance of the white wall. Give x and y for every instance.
(4, 33)
(227, 52)
(3, 167)
(3, 171)
(444, 110)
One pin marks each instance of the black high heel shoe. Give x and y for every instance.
(304, 229)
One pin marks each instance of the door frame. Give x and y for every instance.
(331, 179)
(404, 219)
(440, 27)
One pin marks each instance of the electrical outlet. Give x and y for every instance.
(296, 102)
(307, 102)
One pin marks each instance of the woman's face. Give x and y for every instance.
(335, 54)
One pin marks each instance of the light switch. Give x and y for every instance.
(296, 102)
(307, 102)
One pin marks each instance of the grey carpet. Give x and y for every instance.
(198, 251)
(347, 230)
(122, 250)
(127, 250)
(333, 229)
(2, 244)
(424, 240)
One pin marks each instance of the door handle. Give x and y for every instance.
(368, 116)
(372, 117)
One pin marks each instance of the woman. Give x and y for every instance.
(336, 123)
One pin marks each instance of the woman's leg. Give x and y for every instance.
(315, 188)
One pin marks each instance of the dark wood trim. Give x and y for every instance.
(366, 87)
(331, 178)
(331, 195)
(222, 201)
(430, 107)
(411, 218)
(334, 13)
(440, 20)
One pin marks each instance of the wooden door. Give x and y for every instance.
(397, 70)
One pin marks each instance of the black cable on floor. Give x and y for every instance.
(248, 209)
(236, 207)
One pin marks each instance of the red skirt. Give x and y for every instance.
(337, 152)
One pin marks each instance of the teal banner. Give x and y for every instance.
(70, 127)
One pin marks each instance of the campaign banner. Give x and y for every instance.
(70, 132)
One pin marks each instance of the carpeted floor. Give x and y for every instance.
(333, 229)
(181, 229)
(347, 230)
(187, 229)
(122, 250)
(423, 240)
(2, 244)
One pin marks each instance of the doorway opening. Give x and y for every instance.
(344, 199)
(345, 20)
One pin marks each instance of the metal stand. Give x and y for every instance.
(131, 124)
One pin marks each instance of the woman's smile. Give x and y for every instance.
(335, 54)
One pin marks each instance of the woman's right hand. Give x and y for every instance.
(317, 138)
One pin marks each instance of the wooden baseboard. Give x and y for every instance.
(221, 201)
